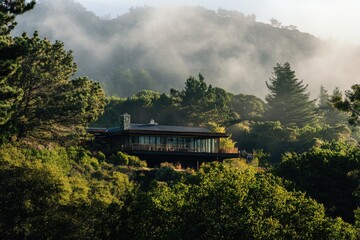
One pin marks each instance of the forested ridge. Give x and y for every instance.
(154, 48)
(302, 182)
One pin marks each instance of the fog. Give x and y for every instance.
(233, 51)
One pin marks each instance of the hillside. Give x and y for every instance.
(152, 48)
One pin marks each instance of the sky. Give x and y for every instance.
(327, 19)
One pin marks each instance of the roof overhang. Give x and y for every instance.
(102, 132)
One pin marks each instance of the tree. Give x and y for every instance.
(30, 195)
(224, 143)
(328, 173)
(326, 111)
(9, 10)
(51, 105)
(351, 103)
(275, 23)
(223, 202)
(10, 51)
(248, 107)
(288, 101)
(59, 194)
(203, 103)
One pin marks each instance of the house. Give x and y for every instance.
(158, 143)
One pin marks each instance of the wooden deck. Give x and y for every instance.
(171, 148)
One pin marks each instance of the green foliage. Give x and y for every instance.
(125, 159)
(8, 12)
(64, 193)
(10, 51)
(197, 104)
(202, 103)
(248, 107)
(350, 104)
(51, 106)
(328, 114)
(31, 193)
(126, 81)
(224, 143)
(276, 139)
(228, 203)
(328, 173)
(68, 194)
(167, 173)
(288, 101)
(357, 219)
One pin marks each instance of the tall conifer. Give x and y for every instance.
(288, 100)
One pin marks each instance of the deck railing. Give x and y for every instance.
(172, 148)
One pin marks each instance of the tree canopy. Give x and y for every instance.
(52, 102)
(10, 51)
(49, 104)
(350, 104)
(288, 101)
(329, 173)
(49, 191)
(222, 202)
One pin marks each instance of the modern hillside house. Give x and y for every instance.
(158, 143)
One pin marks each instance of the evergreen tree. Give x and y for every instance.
(9, 53)
(288, 101)
(51, 105)
(327, 112)
(203, 103)
(324, 98)
(351, 103)
(38, 98)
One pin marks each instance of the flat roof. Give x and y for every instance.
(154, 129)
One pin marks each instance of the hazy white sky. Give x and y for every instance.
(328, 19)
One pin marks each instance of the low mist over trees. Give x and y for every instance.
(133, 53)
(152, 48)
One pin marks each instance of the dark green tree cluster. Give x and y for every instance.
(248, 107)
(10, 51)
(201, 103)
(328, 173)
(70, 194)
(39, 100)
(327, 112)
(58, 194)
(292, 122)
(350, 104)
(288, 121)
(276, 139)
(227, 203)
(197, 105)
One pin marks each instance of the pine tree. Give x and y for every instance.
(52, 104)
(9, 54)
(351, 103)
(288, 100)
(326, 111)
(39, 98)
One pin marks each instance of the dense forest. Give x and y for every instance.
(302, 183)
